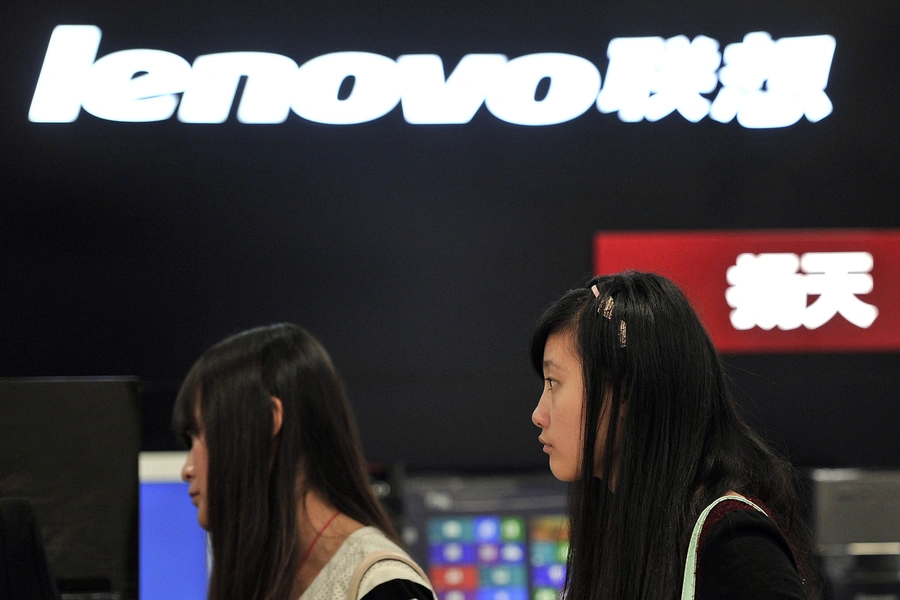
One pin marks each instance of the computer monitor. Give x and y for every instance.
(70, 445)
(489, 538)
(173, 561)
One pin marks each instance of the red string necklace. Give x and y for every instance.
(316, 539)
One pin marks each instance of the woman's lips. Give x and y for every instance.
(546, 445)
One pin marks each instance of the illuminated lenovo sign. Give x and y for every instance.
(776, 291)
(761, 82)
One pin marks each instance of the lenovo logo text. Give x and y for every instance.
(761, 82)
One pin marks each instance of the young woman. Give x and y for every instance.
(278, 478)
(636, 414)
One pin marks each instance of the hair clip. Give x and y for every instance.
(607, 310)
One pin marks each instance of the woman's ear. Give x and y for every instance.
(277, 415)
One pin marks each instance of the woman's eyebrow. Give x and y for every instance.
(550, 363)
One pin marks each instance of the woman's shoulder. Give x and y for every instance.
(334, 580)
(394, 579)
(743, 555)
(366, 540)
(391, 576)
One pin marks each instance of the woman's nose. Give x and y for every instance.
(539, 416)
(187, 471)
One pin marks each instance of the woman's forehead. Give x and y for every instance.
(560, 350)
(197, 409)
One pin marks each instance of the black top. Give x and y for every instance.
(743, 556)
(399, 589)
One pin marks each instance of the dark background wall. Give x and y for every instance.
(422, 255)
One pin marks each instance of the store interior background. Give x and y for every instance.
(421, 256)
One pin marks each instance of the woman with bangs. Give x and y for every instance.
(276, 472)
(672, 495)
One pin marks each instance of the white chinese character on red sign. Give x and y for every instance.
(837, 277)
(649, 78)
(770, 83)
(767, 290)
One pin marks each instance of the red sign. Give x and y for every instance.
(776, 291)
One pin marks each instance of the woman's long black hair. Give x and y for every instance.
(255, 480)
(681, 443)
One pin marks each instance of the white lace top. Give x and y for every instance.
(333, 580)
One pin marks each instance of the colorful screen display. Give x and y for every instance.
(498, 557)
(500, 537)
(549, 537)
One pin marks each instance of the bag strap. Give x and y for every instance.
(690, 565)
(369, 561)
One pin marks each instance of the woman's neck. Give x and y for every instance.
(322, 530)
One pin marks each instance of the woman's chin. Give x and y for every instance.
(563, 474)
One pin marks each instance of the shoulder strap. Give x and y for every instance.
(690, 565)
(373, 558)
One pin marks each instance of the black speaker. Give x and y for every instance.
(71, 446)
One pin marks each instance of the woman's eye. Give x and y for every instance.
(550, 382)
(190, 436)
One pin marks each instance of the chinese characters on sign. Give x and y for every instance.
(765, 83)
(776, 291)
(768, 291)
(794, 72)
